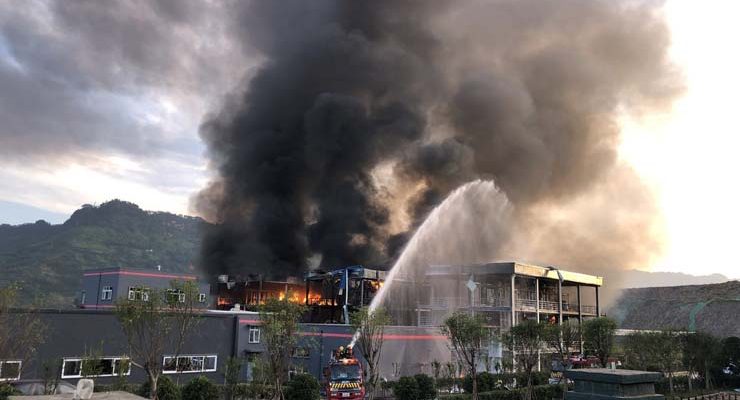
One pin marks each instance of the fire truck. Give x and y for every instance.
(343, 375)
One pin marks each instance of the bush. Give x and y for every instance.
(302, 387)
(200, 388)
(166, 389)
(425, 383)
(538, 392)
(129, 387)
(7, 390)
(488, 382)
(406, 389)
(253, 390)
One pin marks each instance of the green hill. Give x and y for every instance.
(48, 260)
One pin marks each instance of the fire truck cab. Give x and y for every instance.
(344, 376)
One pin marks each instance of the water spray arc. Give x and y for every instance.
(475, 207)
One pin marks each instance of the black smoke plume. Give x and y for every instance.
(365, 114)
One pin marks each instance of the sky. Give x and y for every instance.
(99, 103)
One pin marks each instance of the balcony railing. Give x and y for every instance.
(526, 301)
(522, 304)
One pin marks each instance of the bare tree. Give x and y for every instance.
(370, 326)
(467, 335)
(279, 320)
(21, 331)
(153, 321)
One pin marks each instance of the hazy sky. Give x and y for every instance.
(104, 100)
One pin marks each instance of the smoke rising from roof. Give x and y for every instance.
(365, 115)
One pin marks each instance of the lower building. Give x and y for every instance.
(505, 293)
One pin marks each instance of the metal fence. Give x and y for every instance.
(708, 396)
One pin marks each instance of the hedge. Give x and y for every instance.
(539, 392)
(488, 382)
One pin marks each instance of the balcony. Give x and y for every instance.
(526, 301)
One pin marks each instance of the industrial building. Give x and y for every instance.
(102, 287)
(506, 293)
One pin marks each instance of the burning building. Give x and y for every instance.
(332, 296)
(237, 293)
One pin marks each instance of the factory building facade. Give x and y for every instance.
(505, 293)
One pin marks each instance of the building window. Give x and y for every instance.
(10, 370)
(202, 298)
(396, 369)
(425, 318)
(189, 364)
(176, 295)
(254, 334)
(107, 293)
(301, 352)
(138, 293)
(106, 366)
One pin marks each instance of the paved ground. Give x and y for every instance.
(95, 396)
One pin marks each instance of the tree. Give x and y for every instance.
(666, 347)
(21, 331)
(279, 327)
(155, 319)
(563, 339)
(525, 341)
(699, 352)
(370, 327)
(598, 337)
(231, 377)
(638, 352)
(730, 353)
(467, 335)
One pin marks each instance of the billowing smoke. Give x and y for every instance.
(365, 114)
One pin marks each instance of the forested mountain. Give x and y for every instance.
(47, 260)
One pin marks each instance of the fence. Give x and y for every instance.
(708, 396)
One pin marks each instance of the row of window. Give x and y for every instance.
(76, 367)
(105, 366)
(189, 364)
(10, 370)
(112, 366)
(138, 293)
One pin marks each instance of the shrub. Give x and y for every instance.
(200, 388)
(538, 392)
(253, 390)
(7, 390)
(488, 382)
(302, 387)
(406, 389)
(425, 383)
(166, 389)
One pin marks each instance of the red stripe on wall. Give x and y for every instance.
(386, 337)
(249, 322)
(147, 274)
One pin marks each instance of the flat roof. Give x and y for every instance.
(150, 273)
(515, 268)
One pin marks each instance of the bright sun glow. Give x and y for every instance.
(690, 156)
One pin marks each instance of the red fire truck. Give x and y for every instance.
(344, 377)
